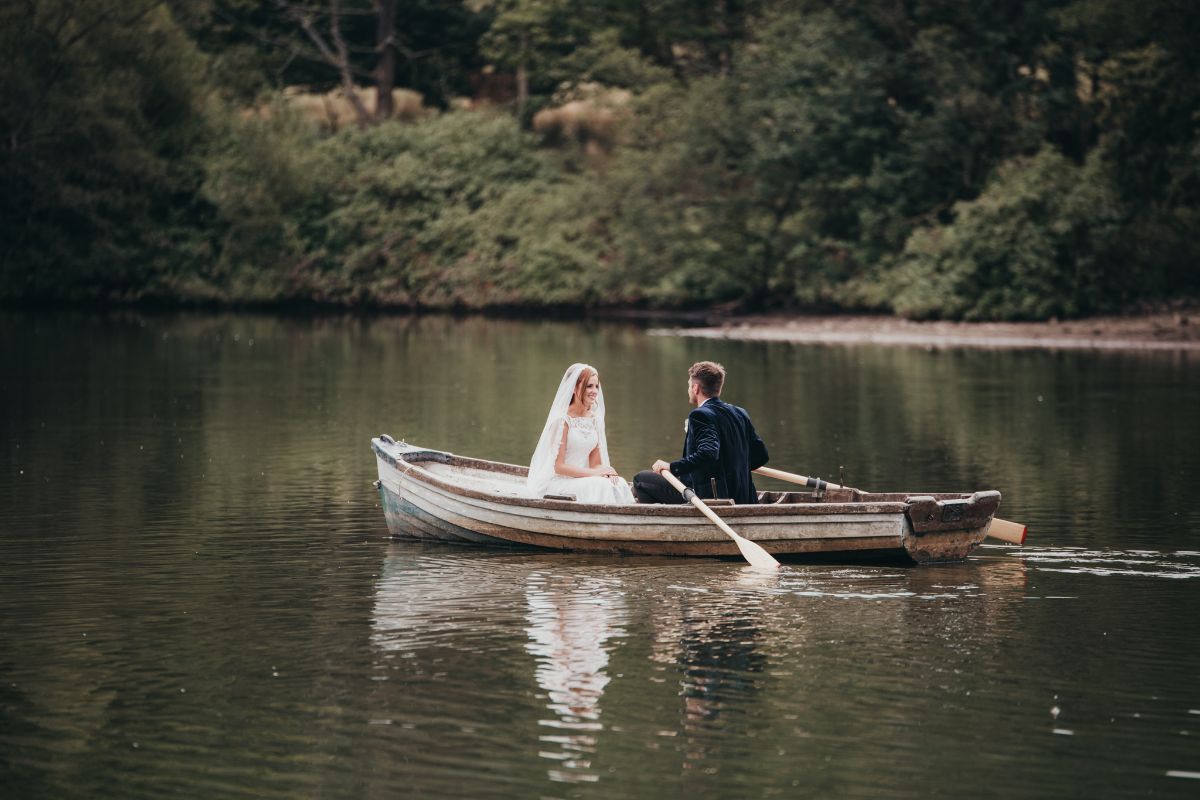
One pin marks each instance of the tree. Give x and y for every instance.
(101, 119)
(385, 71)
(337, 55)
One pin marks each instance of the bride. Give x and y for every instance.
(572, 455)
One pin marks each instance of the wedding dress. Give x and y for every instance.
(584, 434)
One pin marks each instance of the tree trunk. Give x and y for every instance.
(522, 81)
(522, 92)
(385, 69)
(340, 60)
(335, 31)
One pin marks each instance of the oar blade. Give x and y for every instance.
(752, 552)
(755, 554)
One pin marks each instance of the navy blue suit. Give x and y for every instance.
(721, 443)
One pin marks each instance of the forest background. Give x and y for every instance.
(927, 158)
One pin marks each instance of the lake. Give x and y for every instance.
(198, 597)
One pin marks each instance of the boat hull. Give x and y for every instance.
(435, 496)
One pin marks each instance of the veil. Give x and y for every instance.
(541, 466)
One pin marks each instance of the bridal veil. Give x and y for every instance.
(541, 467)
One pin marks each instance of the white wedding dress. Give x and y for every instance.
(584, 435)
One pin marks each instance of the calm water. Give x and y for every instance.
(197, 597)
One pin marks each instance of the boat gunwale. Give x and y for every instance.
(449, 506)
(410, 467)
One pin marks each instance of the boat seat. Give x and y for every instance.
(773, 498)
(723, 501)
(506, 488)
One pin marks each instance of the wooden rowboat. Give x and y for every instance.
(434, 495)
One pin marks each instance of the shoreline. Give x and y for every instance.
(1158, 332)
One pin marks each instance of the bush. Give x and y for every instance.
(1037, 243)
(102, 117)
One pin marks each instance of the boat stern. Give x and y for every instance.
(947, 528)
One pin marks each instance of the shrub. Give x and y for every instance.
(1037, 243)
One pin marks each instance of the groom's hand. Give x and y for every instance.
(660, 466)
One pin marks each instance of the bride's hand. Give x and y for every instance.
(612, 475)
(606, 472)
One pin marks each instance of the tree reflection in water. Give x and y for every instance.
(571, 621)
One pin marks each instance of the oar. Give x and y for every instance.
(1002, 529)
(752, 552)
(1008, 531)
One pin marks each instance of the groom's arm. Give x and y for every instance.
(707, 441)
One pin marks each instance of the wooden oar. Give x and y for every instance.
(1008, 531)
(1002, 529)
(752, 552)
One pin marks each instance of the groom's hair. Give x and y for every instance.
(709, 376)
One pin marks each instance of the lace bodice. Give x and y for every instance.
(582, 438)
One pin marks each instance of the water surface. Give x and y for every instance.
(198, 598)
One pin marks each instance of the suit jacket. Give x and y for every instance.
(721, 443)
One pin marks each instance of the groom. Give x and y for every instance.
(720, 447)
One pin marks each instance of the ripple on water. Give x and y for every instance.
(1181, 564)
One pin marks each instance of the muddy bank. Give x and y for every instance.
(1177, 330)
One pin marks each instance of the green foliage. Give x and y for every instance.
(263, 178)
(457, 211)
(927, 158)
(405, 213)
(1039, 242)
(97, 145)
(604, 60)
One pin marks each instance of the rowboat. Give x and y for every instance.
(438, 496)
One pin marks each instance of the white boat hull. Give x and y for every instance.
(436, 496)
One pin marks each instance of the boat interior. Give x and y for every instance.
(509, 480)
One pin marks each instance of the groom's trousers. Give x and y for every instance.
(650, 487)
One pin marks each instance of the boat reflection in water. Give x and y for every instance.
(509, 656)
(441, 613)
(571, 623)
